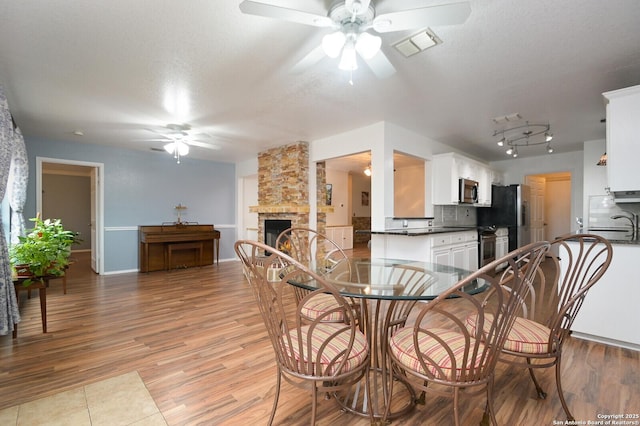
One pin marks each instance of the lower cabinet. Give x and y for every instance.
(502, 242)
(457, 249)
(609, 313)
(341, 235)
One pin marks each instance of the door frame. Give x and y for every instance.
(97, 244)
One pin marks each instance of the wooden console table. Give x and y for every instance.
(41, 285)
(164, 247)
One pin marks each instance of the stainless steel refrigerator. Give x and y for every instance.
(510, 209)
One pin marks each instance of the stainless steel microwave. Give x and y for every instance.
(468, 191)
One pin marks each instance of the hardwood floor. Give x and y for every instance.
(196, 339)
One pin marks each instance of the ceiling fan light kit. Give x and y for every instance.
(179, 138)
(352, 20)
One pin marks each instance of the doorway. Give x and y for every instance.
(550, 208)
(73, 173)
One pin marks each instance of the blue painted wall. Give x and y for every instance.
(142, 188)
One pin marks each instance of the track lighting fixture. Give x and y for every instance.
(524, 135)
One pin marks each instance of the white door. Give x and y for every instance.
(95, 179)
(536, 207)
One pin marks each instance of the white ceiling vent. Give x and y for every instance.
(417, 43)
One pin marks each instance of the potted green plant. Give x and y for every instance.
(44, 251)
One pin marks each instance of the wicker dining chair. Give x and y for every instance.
(438, 349)
(318, 353)
(317, 251)
(537, 336)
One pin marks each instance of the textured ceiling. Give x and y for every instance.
(121, 70)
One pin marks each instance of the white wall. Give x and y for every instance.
(382, 139)
(360, 183)
(514, 171)
(368, 138)
(595, 177)
(409, 192)
(340, 198)
(246, 195)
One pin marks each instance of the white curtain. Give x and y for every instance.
(17, 187)
(9, 314)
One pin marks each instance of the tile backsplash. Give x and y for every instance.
(602, 207)
(455, 215)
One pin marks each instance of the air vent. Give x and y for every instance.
(417, 43)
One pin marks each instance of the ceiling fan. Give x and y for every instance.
(353, 22)
(179, 137)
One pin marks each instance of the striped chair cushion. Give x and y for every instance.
(324, 332)
(401, 345)
(526, 336)
(320, 304)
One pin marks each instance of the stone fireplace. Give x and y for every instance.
(283, 187)
(273, 228)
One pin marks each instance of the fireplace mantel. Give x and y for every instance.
(280, 209)
(288, 209)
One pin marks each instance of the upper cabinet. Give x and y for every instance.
(449, 168)
(623, 145)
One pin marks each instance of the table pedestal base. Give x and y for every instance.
(358, 400)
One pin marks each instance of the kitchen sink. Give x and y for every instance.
(613, 234)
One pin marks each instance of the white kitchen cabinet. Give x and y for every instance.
(341, 235)
(502, 243)
(609, 313)
(471, 253)
(623, 149)
(449, 168)
(458, 249)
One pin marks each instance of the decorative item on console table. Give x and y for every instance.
(44, 251)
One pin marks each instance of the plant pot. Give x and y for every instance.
(23, 271)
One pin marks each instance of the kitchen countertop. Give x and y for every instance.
(614, 235)
(415, 232)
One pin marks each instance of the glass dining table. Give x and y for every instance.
(384, 291)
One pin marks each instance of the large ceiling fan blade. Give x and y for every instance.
(202, 144)
(154, 140)
(448, 14)
(286, 14)
(380, 65)
(310, 59)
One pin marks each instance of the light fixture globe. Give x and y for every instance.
(170, 147)
(348, 61)
(183, 148)
(333, 43)
(368, 45)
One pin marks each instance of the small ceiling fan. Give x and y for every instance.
(353, 22)
(179, 137)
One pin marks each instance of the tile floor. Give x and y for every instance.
(119, 401)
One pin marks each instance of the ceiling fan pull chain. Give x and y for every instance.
(351, 77)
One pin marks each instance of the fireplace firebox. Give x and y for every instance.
(273, 228)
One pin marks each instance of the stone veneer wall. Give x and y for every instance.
(361, 223)
(283, 175)
(283, 187)
(321, 196)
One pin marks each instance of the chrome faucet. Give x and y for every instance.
(633, 219)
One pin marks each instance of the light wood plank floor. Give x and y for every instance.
(197, 341)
